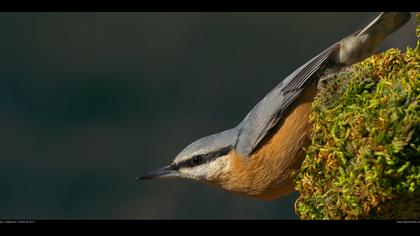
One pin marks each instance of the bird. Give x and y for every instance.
(257, 157)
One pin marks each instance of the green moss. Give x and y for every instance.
(364, 160)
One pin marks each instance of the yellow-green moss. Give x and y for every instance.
(364, 160)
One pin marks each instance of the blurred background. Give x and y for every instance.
(88, 101)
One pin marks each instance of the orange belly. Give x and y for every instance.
(267, 173)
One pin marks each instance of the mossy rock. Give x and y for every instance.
(364, 159)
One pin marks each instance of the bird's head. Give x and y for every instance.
(206, 159)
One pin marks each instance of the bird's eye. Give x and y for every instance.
(197, 160)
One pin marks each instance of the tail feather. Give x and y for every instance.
(388, 22)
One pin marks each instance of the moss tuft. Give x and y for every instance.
(364, 159)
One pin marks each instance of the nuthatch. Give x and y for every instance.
(256, 158)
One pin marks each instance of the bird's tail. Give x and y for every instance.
(363, 43)
(387, 22)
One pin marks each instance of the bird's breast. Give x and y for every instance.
(267, 173)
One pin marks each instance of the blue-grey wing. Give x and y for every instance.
(266, 114)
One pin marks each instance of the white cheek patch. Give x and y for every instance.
(217, 167)
(198, 172)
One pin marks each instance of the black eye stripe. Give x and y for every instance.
(197, 160)
(203, 158)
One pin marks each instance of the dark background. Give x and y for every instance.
(88, 101)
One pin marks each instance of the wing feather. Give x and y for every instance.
(266, 114)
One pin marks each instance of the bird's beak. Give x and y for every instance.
(164, 172)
